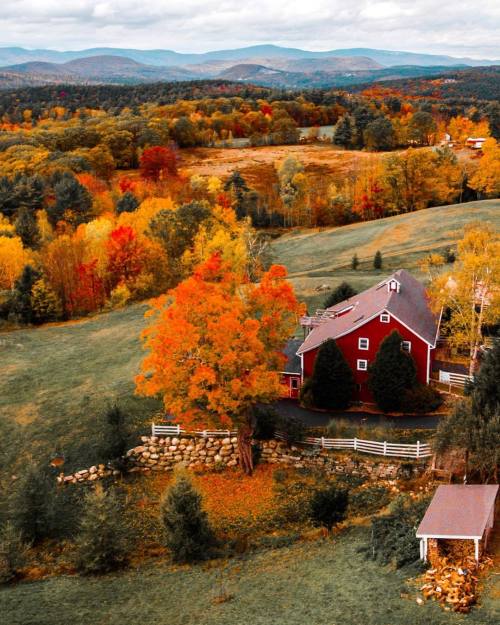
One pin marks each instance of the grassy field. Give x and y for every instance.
(58, 380)
(322, 583)
(323, 257)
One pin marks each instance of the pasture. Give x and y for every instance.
(324, 582)
(323, 257)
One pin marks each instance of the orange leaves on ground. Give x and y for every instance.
(233, 496)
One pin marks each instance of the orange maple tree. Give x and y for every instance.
(215, 347)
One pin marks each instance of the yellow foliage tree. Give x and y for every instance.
(471, 289)
(13, 258)
(486, 178)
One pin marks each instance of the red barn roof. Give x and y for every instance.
(459, 511)
(407, 302)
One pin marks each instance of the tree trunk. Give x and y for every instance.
(245, 434)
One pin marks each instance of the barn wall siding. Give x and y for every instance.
(375, 331)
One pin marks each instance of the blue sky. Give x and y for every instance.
(456, 27)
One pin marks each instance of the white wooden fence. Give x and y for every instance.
(396, 450)
(454, 379)
(176, 430)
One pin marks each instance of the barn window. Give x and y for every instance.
(362, 365)
(406, 346)
(295, 383)
(385, 318)
(363, 343)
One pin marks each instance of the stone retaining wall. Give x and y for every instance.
(163, 453)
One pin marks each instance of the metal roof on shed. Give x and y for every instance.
(458, 511)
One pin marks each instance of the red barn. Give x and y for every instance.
(360, 324)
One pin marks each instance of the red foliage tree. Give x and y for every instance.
(158, 162)
(125, 255)
(89, 295)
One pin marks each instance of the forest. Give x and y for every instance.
(97, 208)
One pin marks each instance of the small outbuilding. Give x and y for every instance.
(457, 512)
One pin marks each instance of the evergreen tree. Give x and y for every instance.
(329, 506)
(21, 303)
(392, 372)
(239, 190)
(188, 534)
(73, 202)
(101, 545)
(45, 303)
(31, 500)
(377, 260)
(114, 437)
(363, 116)
(332, 381)
(344, 132)
(485, 390)
(128, 203)
(27, 228)
(12, 552)
(342, 292)
(355, 262)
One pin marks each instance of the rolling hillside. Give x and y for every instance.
(315, 258)
(58, 380)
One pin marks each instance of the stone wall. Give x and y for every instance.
(162, 454)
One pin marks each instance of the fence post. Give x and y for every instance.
(152, 429)
(418, 449)
(355, 443)
(385, 448)
(322, 442)
(178, 429)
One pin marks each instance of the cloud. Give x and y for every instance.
(459, 27)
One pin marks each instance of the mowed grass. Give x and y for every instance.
(321, 583)
(323, 257)
(57, 381)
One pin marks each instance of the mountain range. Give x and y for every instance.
(267, 65)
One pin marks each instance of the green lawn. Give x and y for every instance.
(315, 258)
(320, 583)
(57, 381)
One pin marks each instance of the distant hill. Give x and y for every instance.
(162, 58)
(96, 69)
(482, 83)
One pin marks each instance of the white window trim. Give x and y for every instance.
(361, 367)
(362, 338)
(408, 351)
(385, 318)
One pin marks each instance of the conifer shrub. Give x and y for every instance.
(328, 506)
(187, 531)
(377, 260)
(392, 373)
(102, 544)
(332, 383)
(342, 292)
(392, 537)
(355, 262)
(12, 552)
